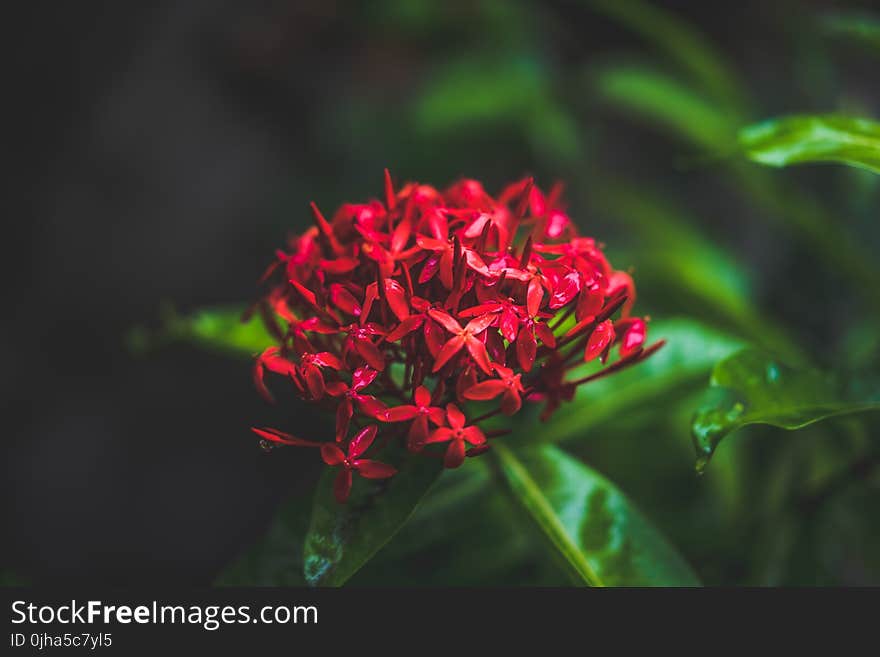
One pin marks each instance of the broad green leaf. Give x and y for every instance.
(814, 138)
(854, 26)
(343, 537)
(221, 329)
(669, 102)
(683, 43)
(753, 388)
(691, 351)
(468, 532)
(588, 522)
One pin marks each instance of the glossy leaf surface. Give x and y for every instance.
(589, 523)
(753, 388)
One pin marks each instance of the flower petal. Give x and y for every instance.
(260, 384)
(371, 407)
(326, 359)
(362, 377)
(314, 380)
(455, 416)
(565, 290)
(343, 417)
(344, 300)
(475, 262)
(437, 416)
(276, 436)
(396, 297)
(534, 296)
(633, 338)
(405, 327)
(543, 332)
(331, 454)
(448, 350)
(362, 441)
(429, 269)
(509, 324)
(370, 353)
(435, 337)
(474, 435)
(445, 320)
(481, 309)
(589, 304)
(511, 402)
(526, 348)
(485, 390)
(600, 338)
(480, 324)
(374, 469)
(478, 352)
(454, 454)
(422, 397)
(342, 485)
(400, 413)
(440, 435)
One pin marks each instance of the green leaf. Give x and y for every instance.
(602, 538)
(498, 92)
(669, 102)
(753, 388)
(656, 97)
(343, 537)
(690, 352)
(857, 26)
(709, 284)
(220, 329)
(682, 43)
(467, 530)
(814, 138)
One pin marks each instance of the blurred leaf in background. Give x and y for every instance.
(853, 26)
(802, 139)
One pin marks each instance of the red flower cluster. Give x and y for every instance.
(396, 314)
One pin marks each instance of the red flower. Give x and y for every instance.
(463, 337)
(633, 335)
(369, 405)
(602, 337)
(420, 413)
(457, 434)
(272, 360)
(508, 384)
(275, 436)
(459, 292)
(360, 341)
(310, 370)
(352, 462)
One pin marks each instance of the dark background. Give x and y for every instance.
(160, 152)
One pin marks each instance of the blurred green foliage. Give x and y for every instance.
(800, 139)
(726, 254)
